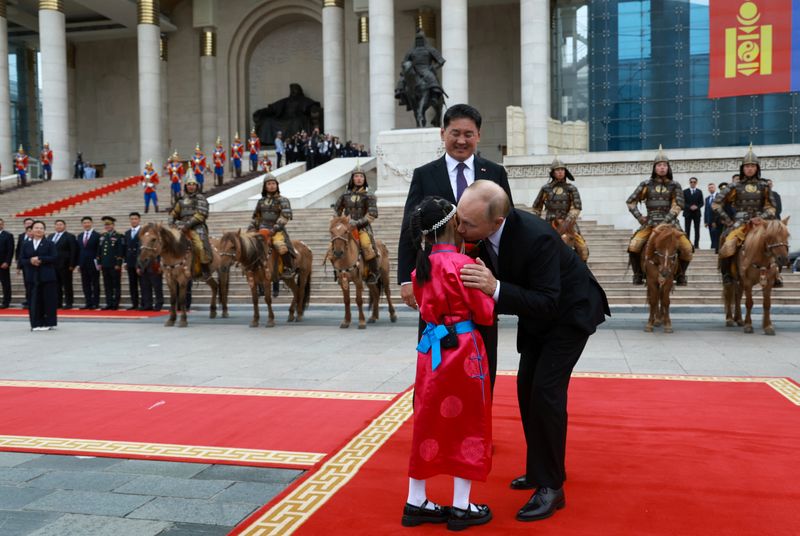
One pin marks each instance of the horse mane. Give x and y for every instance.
(566, 227)
(335, 220)
(252, 248)
(661, 234)
(759, 234)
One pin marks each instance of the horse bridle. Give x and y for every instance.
(346, 239)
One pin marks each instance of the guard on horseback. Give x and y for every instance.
(663, 198)
(418, 86)
(189, 215)
(561, 202)
(272, 213)
(361, 207)
(752, 201)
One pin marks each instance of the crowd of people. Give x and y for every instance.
(315, 149)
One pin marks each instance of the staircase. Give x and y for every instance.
(608, 258)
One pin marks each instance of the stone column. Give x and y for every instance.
(535, 68)
(363, 78)
(455, 50)
(333, 66)
(72, 81)
(164, 55)
(382, 68)
(5, 100)
(208, 90)
(55, 105)
(151, 146)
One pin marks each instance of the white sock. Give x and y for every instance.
(461, 489)
(416, 492)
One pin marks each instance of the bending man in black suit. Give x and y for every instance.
(67, 250)
(536, 277)
(39, 260)
(448, 177)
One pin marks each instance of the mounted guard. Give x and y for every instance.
(561, 203)
(361, 206)
(189, 215)
(418, 87)
(752, 201)
(272, 213)
(663, 198)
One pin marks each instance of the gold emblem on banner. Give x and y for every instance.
(752, 188)
(661, 188)
(748, 47)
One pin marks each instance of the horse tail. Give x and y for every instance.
(307, 293)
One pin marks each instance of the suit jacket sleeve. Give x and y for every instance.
(8, 251)
(72, 242)
(405, 248)
(537, 297)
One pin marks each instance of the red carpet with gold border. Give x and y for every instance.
(88, 314)
(647, 454)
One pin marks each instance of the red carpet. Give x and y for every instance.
(87, 313)
(76, 199)
(653, 457)
(221, 425)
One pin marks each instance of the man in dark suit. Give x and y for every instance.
(131, 244)
(6, 257)
(110, 254)
(88, 241)
(693, 200)
(39, 260)
(23, 237)
(778, 202)
(559, 305)
(67, 250)
(448, 177)
(710, 219)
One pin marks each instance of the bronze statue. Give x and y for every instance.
(289, 115)
(419, 88)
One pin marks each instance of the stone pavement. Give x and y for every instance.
(64, 495)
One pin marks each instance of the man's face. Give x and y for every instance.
(769, 183)
(87, 224)
(108, 226)
(272, 187)
(692, 183)
(735, 179)
(38, 230)
(750, 170)
(358, 179)
(461, 138)
(712, 188)
(473, 219)
(60, 226)
(135, 221)
(560, 174)
(191, 188)
(661, 169)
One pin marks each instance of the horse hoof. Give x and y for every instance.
(748, 329)
(393, 318)
(270, 324)
(371, 321)
(739, 323)
(183, 324)
(290, 319)
(225, 314)
(212, 314)
(362, 326)
(344, 325)
(254, 324)
(657, 324)
(769, 331)
(668, 330)
(729, 323)
(169, 323)
(648, 329)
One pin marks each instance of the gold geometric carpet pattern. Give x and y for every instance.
(179, 389)
(160, 450)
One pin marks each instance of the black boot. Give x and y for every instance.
(725, 266)
(374, 271)
(205, 271)
(636, 268)
(288, 266)
(680, 277)
(778, 280)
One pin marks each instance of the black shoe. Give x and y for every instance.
(461, 519)
(637, 279)
(727, 279)
(417, 515)
(106, 308)
(778, 283)
(521, 482)
(681, 281)
(132, 308)
(87, 307)
(68, 306)
(542, 504)
(4, 306)
(158, 307)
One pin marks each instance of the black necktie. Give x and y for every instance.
(492, 256)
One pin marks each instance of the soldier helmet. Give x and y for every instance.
(358, 170)
(749, 158)
(148, 164)
(46, 145)
(661, 156)
(197, 148)
(219, 141)
(21, 149)
(175, 155)
(558, 164)
(269, 177)
(236, 137)
(253, 132)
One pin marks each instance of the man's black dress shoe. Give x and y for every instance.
(521, 482)
(417, 515)
(87, 307)
(106, 308)
(462, 519)
(542, 504)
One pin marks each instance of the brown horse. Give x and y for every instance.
(764, 250)
(175, 250)
(567, 228)
(247, 250)
(299, 283)
(659, 264)
(349, 267)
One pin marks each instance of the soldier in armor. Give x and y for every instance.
(189, 215)
(46, 159)
(361, 207)
(272, 213)
(175, 169)
(21, 166)
(149, 183)
(219, 162)
(561, 201)
(752, 201)
(199, 165)
(237, 152)
(254, 147)
(663, 198)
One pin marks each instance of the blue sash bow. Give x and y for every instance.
(432, 339)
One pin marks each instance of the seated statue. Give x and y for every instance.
(289, 115)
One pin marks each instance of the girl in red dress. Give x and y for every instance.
(452, 395)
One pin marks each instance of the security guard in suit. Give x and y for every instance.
(110, 256)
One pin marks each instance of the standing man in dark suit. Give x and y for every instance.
(110, 253)
(778, 202)
(710, 219)
(6, 257)
(131, 245)
(87, 263)
(23, 237)
(152, 282)
(693, 200)
(39, 260)
(67, 251)
(559, 304)
(448, 177)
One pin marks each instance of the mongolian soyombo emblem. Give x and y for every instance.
(748, 46)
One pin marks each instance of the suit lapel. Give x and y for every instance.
(481, 170)
(443, 180)
(507, 243)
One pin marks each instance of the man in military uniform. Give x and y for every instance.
(199, 166)
(46, 159)
(272, 213)
(175, 169)
(219, 162)
(237, 152)
(561, 201)
(189, 215)
(663, 198)
(361, 207)
(254, 147)
(149, 183)
(21, 166)
(752, 201)
(110, 255)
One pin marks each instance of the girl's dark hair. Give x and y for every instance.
(423, 217)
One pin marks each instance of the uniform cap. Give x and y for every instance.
(661, 156)
(750, 157)
(219, 140)
(109, 219)
(557, 163)
(197, 148)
